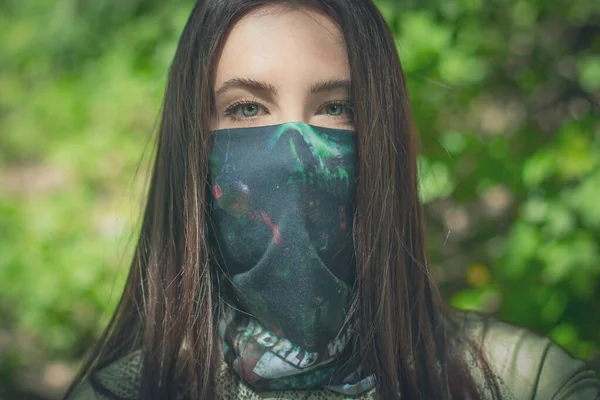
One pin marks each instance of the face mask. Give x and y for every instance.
(280, 218)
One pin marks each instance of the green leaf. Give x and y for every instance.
(584, 198)
(539, 168)
(422, 39)
(458, 68)
(554, 307)
(521, 248)
(576, 155)
(564, 334)
(563, 258)
(589, 72)
(453, 142)
(560, 221)
(535, 210)
(435, 180)
(467, 300)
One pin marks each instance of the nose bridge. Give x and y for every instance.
(293, 105)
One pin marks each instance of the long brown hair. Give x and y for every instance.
(170, 302)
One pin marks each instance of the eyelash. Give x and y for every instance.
(230, 111)
(233, 107)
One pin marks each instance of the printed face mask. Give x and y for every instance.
(280, 218)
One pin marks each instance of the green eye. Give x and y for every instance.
(338, 109)
(249, 110)
(334, 109)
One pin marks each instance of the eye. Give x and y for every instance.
(249, 110)
(244, 109)
(338, 109)
(334, 109)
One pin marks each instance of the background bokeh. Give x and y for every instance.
(506, 99)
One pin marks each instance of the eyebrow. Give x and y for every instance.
(258, 86)
(330, 84)
(246, 83)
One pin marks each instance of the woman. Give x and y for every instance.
(281, 253)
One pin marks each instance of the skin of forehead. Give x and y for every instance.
(272, 37)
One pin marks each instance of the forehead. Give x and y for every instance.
(283, 46)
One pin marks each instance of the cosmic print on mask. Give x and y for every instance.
(323, 166)
(281, 203)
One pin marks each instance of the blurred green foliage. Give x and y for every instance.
(505, 95)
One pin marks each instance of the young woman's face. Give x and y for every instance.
(280, 65)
